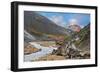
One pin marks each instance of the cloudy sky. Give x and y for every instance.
(65, 19)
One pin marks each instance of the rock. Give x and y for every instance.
(30, 49)
(60, 51)
(69, 51)
(85, 54)
(73, 53)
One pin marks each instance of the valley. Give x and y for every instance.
(44, 40)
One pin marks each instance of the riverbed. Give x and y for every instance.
(43, 52)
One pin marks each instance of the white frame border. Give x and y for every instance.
(22, 64)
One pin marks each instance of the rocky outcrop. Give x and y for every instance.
(75, 27)
(69, 52)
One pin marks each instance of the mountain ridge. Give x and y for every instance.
(34, 21)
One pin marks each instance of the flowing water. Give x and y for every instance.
(44, 51)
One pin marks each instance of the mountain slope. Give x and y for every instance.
(84, 42)
(36, 23)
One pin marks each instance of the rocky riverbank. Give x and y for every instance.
(70, 51)
(30, 49)
(66, 50)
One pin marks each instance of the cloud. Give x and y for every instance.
(75, 22)
(81, 26)
(59, 20)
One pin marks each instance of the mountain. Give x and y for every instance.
(31, 37)
(74, 27)
(38, 25)
(28, 37)
(77, 49)
(84, 42)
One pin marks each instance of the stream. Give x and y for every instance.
(44, 51)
